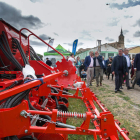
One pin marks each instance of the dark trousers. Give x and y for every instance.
(137, 78)
(126, 77)
(109, 75)
(127, 80)
(118, 80)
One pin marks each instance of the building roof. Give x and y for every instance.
(82, 50)
(133, 48)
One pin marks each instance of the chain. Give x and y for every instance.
(40, 119)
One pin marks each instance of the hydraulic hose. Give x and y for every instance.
(21, 51)
(4, 39)
(57, 105)
(11, 58)
(34, 54)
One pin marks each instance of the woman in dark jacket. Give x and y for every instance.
(109, 68)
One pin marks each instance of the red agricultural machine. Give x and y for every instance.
(34, 97)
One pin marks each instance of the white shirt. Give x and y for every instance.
(72, 60)
(91, 63)
(128, 60)
(103, 62)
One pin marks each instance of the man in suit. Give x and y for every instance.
(136, 68)
(48, 62)
(89, 68)
(98, 68)
(126, 51)
(119, 68)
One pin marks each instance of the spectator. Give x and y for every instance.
(109, 68)
(98, 68)
(133, 73)
(136, 68)
(89, 68)
(67, 58)
(119, 68)
(72, 59)
(81, 67)
(48, 62)
(78, 63)
(83, 74)
(104, 65)
(126, 51)
(106, 62)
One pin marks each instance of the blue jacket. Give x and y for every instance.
(115, 65)
(100, 59)
(87, 62)
(137, 62)
(76, 64)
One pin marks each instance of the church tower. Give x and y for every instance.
(121, 40)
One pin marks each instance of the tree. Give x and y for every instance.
(41, 56)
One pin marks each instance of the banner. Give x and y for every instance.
(51, 44)
(74, 46)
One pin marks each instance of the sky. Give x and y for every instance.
(67, 20)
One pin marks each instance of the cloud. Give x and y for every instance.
(109, 39)
(37, 44)
(71, 44)
(128, 40)
(44, 37)
(137, 23)
(34, 1)
(131, 3)
(113, 22)
(80, 43)
(86, 33)
(56, 34)
(137, 34)
(125, 32)
(15, 17)
(128, 16)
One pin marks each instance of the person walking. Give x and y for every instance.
(98, 68)
(119, 68)
(126, 51)
(88, 63)
(109, 68)
(136, 68)
(48, 62)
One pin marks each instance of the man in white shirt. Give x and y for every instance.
(72, 59)
(126, 51)
(89, 68)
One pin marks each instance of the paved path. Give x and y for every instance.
(134, 94)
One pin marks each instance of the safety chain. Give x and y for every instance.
(25, 114)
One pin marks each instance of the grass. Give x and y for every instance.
(120, 106)
(77, 105)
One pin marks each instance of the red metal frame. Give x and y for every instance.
(62, 77)
(39, 39)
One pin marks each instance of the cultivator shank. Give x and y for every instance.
(34, 97)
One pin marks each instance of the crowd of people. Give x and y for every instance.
(121, 67)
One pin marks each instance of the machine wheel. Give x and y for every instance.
(63, 100)
(29, 137)
(62, 108)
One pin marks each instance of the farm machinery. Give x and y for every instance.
(34, 96)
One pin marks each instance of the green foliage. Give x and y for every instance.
(41, 56)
